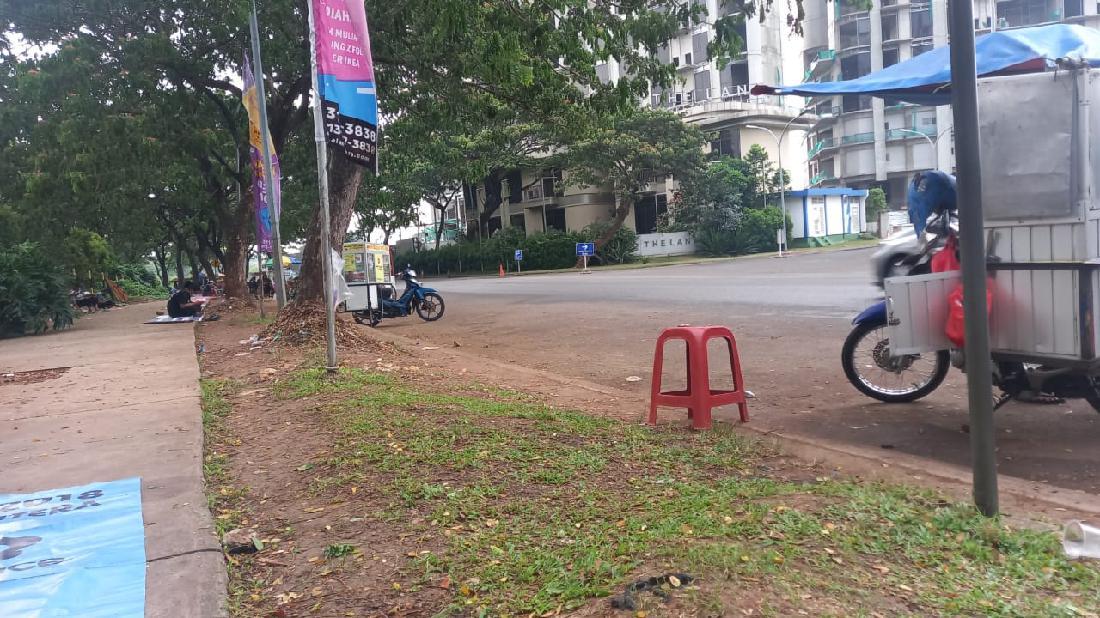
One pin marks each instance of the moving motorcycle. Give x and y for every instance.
(427, 302)
(873, 370)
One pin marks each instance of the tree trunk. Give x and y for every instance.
(621, 212)
(162, 263)
(179, 262)
(439, 214)
(194, 265)
(344, 180)
(494, 197)
(236, 228)
(207, 268)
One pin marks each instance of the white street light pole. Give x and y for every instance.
(924, 135)
(781, 233)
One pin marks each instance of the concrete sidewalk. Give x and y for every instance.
(129, 406)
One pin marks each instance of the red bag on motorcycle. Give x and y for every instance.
(948, 257)
(947, 260)
(956, 322)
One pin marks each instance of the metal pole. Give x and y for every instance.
(924, 135)
(979, 374)
(269, 175)
(322, 183)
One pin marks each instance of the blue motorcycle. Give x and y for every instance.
(427, 302)
(866, 358)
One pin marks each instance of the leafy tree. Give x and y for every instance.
(88, 257)
(632, 151)
(34, 293)
(876, 203)
(500, 63)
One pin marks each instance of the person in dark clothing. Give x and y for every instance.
(180, 304)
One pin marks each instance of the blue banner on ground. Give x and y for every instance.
(78, 551)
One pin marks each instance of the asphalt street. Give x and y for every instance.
(790, 317)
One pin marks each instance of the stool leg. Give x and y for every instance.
(655, 382)
(699, 384)
(738, 381)
(688, 372)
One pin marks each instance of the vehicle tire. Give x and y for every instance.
(939, 365)
(1092, 392)
(430, 308)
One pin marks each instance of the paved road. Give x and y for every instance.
(790, 317)
(128, 406)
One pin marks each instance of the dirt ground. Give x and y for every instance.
(263, 458)
(791, 362)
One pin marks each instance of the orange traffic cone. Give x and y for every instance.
(502, 270)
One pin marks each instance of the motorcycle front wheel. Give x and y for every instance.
(899, 379)
(430, 308)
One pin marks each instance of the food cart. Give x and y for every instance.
(1040, 140)
(367, 269)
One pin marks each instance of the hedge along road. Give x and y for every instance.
(790, 317)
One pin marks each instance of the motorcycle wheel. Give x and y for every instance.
(430, 308)
(870, 368)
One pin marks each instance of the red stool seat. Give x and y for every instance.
(699, 398)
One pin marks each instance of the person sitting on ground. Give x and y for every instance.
(180, 304)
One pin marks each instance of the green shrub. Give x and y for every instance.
(135, 272)
(34, 293)
(756, 229)
(619, 250)
(140, 289)
(541, 251)
(714, 241)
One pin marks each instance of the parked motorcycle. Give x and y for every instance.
(875, 372)
(427, 302)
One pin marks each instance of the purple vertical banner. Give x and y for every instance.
(266, 204)
(345, 76)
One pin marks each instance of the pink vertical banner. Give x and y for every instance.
(345, 75)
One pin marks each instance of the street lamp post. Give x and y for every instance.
(781, 233)
(924, 135)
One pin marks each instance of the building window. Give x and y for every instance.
(518, 221)
(1075, 8)
(855, 33)
(890, 57)
(1015, 13)
(890, 27)
(855, 65)
(555, 219)
(919, 47)
(920, 21)
(847, 7)
(727, 144)
(856, 102)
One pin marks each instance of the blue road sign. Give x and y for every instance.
(519, 255)
(586, 249)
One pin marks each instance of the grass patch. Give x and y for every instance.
(318, 380)
(541, 510)
(221, 495)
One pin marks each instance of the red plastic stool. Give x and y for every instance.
(698, 398)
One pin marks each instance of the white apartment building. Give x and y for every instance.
(717, 99)
(861, 141)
